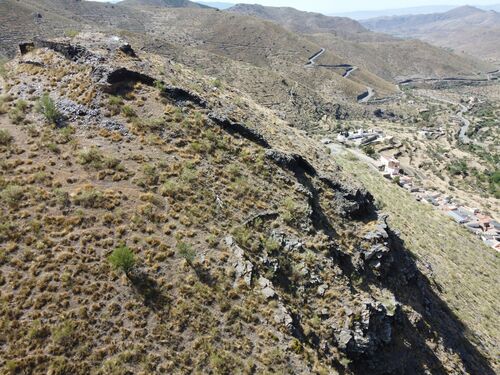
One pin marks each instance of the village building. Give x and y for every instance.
(392, 167)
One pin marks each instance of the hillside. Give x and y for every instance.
(156, 221)
(388, 57)
(465, 30)
(301, 22)
(256, 56)
(164, 3)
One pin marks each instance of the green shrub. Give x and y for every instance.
(93, 157)
(12, 195)
(122, 258)
(187, 252)
(65, 334)
(90, 198)
(5, 138)
(458, 167)
(160, 86)
(128, 111)
(47, 107)
(292, 211)
(172, 188)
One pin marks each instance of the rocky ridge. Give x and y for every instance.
(249, 256)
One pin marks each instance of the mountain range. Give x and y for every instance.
(363, 15)
(465, 30)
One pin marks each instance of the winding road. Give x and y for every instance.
(349, 69)
(366, 96)
(313, 58)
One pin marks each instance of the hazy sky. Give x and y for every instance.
(334, 6)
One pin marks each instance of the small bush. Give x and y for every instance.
(65, 334)
(173, 188)
(94, 158)
(91, 157)
(122, 258)
(17, 113)
(5, 138)
(128, 111)
(292, 211)
(12, 195)
(16, 116)
(187, 252)
(90, 198)
(47, 107)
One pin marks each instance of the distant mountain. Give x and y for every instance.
(299, 21)
(363, 15)
(465, 30)
(386, 56)
(217, 5)
(164, 3)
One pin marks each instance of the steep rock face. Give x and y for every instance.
(371, 330)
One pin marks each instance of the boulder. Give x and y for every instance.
(267, 287)
(243, 267)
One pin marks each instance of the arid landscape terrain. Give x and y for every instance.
(257, 190)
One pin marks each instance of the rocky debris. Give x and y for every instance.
(72, 111)
(110, 79)
(237, 128)
(287, 242)
(292, 162)
(322, 290)
(370, 329)
(242, 266)
(112, 125)
(267, 287)
(350, 201)
(282, 316)
(26, 47)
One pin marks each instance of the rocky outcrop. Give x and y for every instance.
(128, 50)
(181, 96)
(243, 267)
(68, 50)
(292, 162)
(350, 201)
(370, 329)
(377, 256)
(237, 128)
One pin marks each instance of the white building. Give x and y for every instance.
(391, 165)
